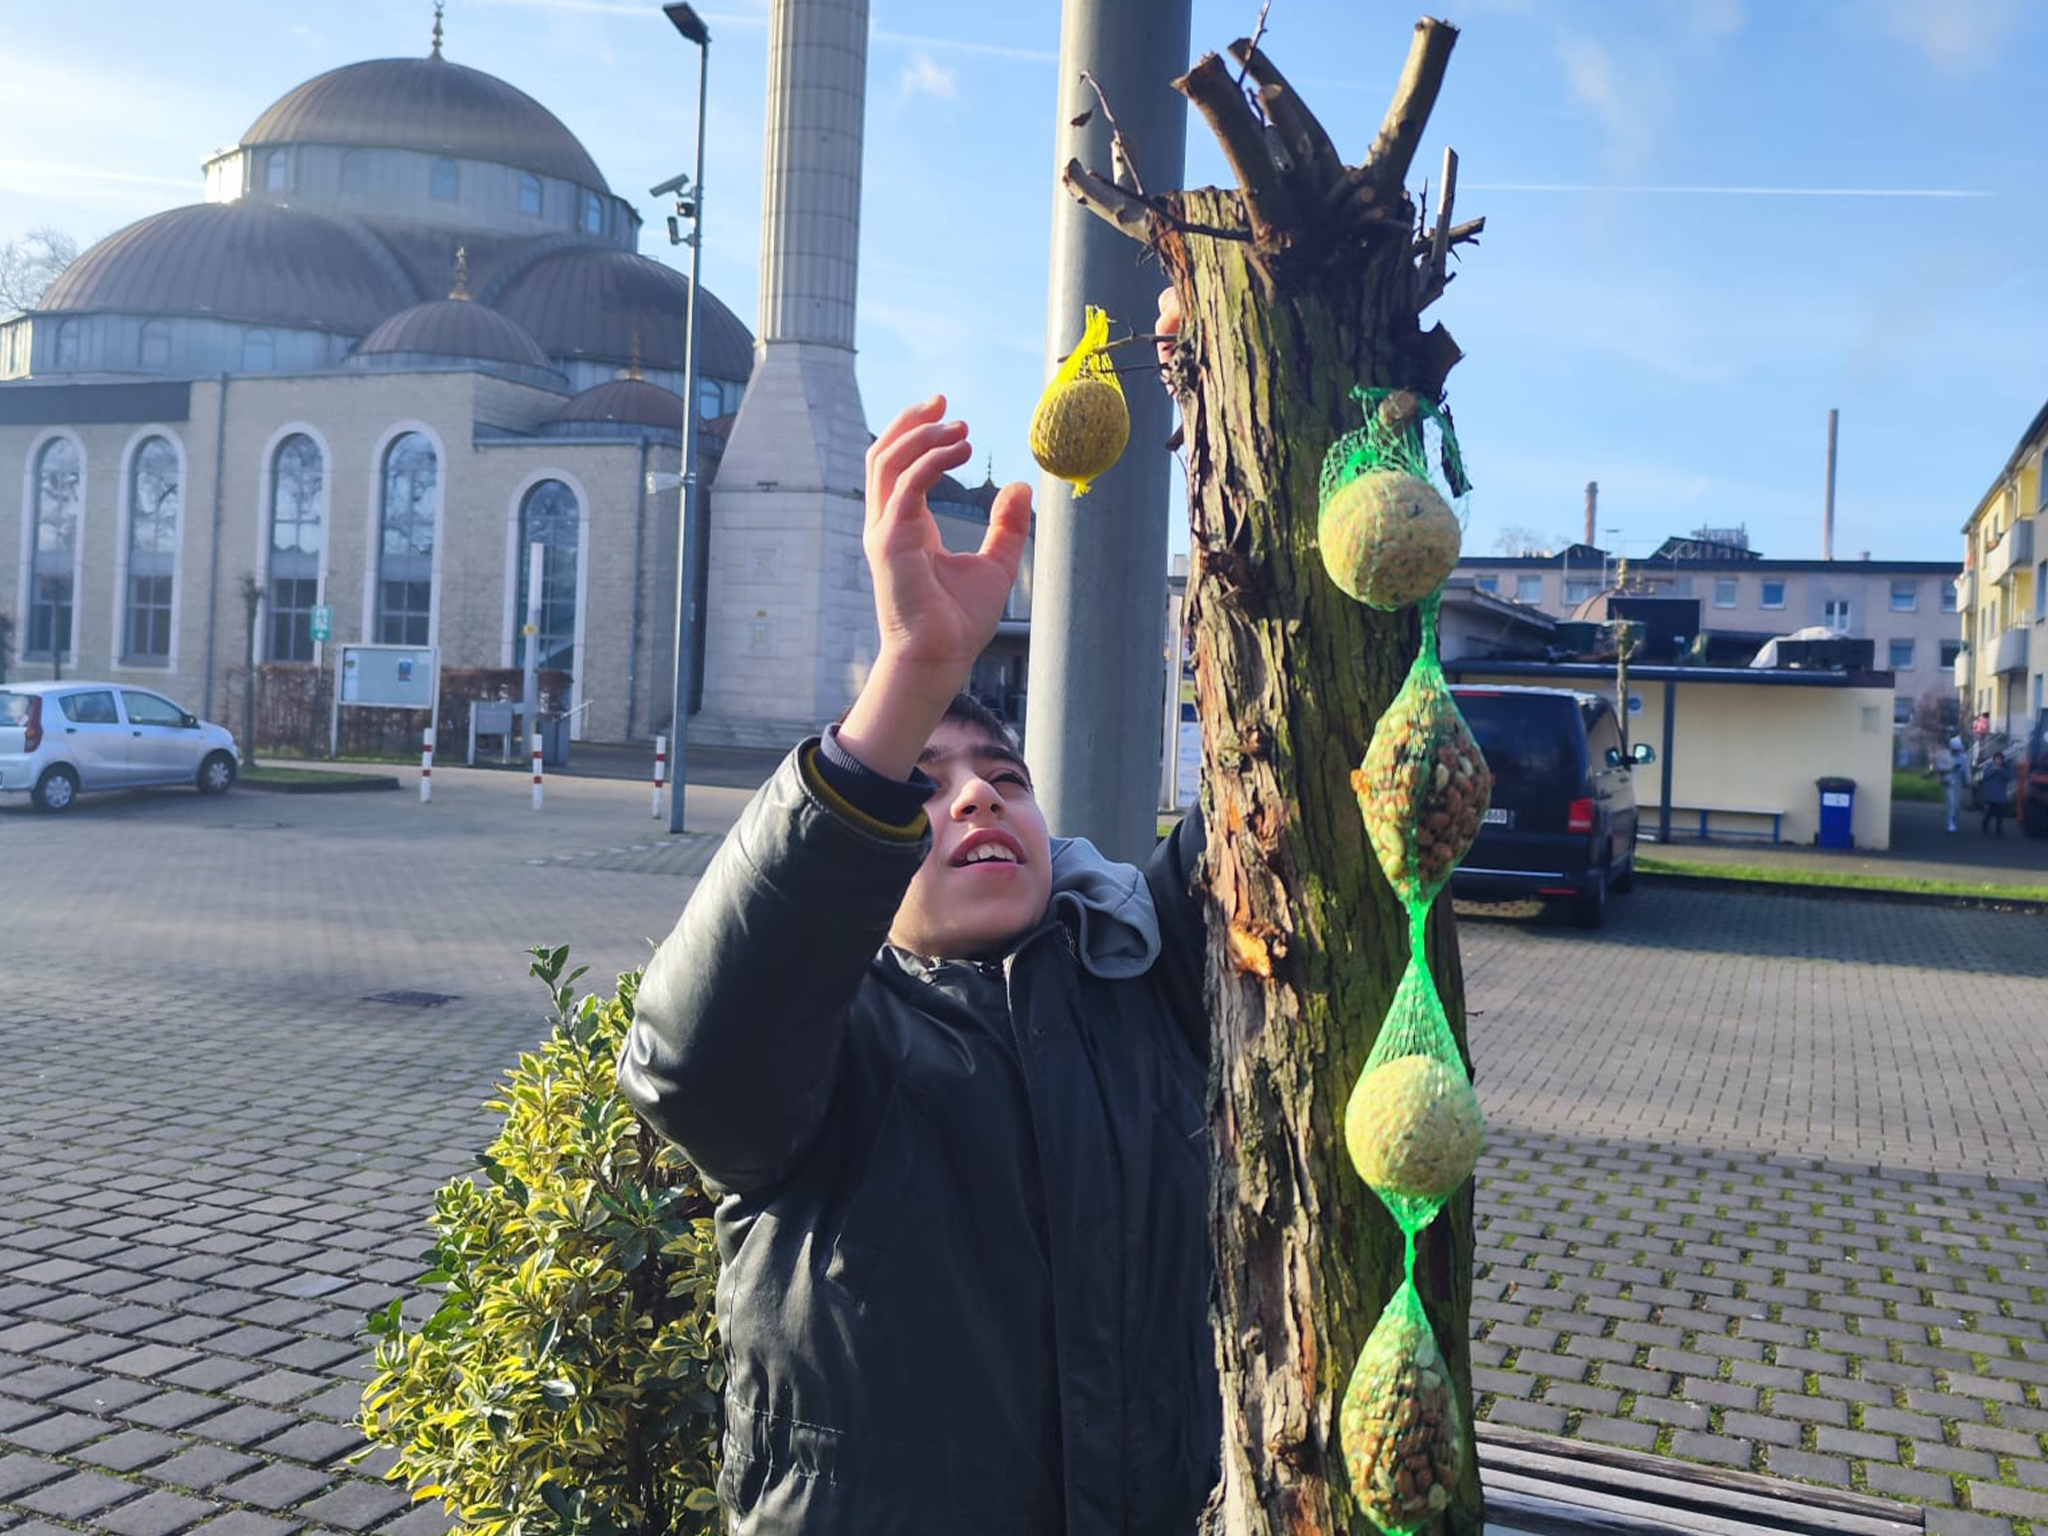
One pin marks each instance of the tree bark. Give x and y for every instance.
(1295, 288)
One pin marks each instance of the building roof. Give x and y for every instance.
(432, 106)
(248, 261)
(455, 328)
(626, 402)
(610, 305)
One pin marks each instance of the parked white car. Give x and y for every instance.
(60, 740)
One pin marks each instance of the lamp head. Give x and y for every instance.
(686, 21)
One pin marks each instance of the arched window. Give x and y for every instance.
(67, 343)
(445, 183)
(593, 214)
(298, 519)
(259, 351)
(405, 543)
(529, 194)
(277, 171)
(153, 349)
(53, 563)
(154, 503)
(549, 517)
(355, 171)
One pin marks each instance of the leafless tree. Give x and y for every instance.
(30, 264)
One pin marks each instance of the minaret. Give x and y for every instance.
(789, 631)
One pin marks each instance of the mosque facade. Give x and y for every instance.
(406, 335)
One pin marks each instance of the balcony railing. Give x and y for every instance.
(2011, 655)
(2013, 552)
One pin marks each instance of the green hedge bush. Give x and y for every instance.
(568, 1382)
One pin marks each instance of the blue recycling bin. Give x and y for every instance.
(1837, 813)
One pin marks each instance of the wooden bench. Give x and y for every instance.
(1651, 815)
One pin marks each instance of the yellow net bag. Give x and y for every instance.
(1082, 422)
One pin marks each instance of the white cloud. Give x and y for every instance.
(1952, 35)
(1630, 99)
(925, 76)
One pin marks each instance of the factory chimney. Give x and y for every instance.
(1592, 508)
(1827, 518)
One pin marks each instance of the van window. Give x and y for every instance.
(1530, 741)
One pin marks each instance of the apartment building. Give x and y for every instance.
(2002, 593)
(1907, 607)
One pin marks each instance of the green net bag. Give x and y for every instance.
(1388, 538)
(1404, 1440)
(1412, 1124)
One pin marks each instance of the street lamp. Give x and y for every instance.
(689, 196)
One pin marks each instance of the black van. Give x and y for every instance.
(1563, 819)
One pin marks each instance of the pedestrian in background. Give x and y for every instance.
(1994, 793)
(1952, 769)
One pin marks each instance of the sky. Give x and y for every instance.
(1709, 222)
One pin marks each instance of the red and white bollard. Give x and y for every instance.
(536, 770)
(427, 766)
(660, 773)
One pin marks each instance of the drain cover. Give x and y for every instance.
(413, 999)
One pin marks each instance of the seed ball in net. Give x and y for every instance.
(1399, 1424)
(1414, 1127)
(1388, 538)
(1423, 789)
(1080, 429)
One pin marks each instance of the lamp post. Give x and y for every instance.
(689, 195)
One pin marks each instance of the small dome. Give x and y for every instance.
(625, 402)
(455, 328)
(593, 301)
(246, 261)
(431, 106)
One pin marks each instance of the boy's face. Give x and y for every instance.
(988, 877)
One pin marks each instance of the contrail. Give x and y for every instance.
(1592, 187)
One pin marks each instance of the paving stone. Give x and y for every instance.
(108, 1394)
(1722, 1394)
(170, 1410)
(1960, 1522)
(37, 1382)
(1622, 1432)
(1855, 1442)
(277, 1486)
(1951, 1458)
(314, 1442)
(1663, 1410)
(1893, 1481)
(1810, 1410)
(2001, 1442)
(1695, 1445)
(1757, 1426)
(128, 1450)
(1785, 1461)
(201, 1467)
(58, 1433)
(213, 1373)
(1993, 1498)
(354, 1505)
(1544, 1418)
(278, 1388)
(162, 1513)
(80, 1496)
(245, 1522)
(20, 1471)
(13, 1413)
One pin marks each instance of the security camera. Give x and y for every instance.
(673, 184)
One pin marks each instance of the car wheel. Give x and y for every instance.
(1590, 909)
(56, 789)
(1626, 880)
(216, 774)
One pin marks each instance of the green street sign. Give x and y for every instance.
(323, 622)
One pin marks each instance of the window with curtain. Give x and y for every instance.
(53, 562)
(155, 501)
(405, 541)
(549, 516)
(298, 526)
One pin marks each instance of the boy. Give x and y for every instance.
(946, 1074)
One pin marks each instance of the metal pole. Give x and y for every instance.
(1099, 564)
(529, 683)
(688, 535)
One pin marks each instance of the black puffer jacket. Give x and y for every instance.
(964, 1221)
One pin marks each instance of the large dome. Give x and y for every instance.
(613, 306)
(457, 328)
(432, 106)
(246, 261)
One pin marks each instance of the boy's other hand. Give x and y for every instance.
(937, 609)
(1167, 325)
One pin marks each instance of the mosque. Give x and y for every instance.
(406, 335)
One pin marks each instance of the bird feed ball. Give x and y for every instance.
(1388, 538)
(1414, 1127)
(1080, 429)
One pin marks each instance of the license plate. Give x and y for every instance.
(1497, 817)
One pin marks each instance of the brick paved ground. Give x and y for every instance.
(1764, 1184)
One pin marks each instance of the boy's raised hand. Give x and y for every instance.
(936, 609)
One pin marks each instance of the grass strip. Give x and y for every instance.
(269, 774)
(1659, 864)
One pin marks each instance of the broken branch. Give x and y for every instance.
(1393, 148)
(1123, 165)
(1317, 163)
(1109, 202)
(1266, 195)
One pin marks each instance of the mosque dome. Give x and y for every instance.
(624, 403)
(432, 106)
(596, 302)
(454, 328)
(247, 261)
